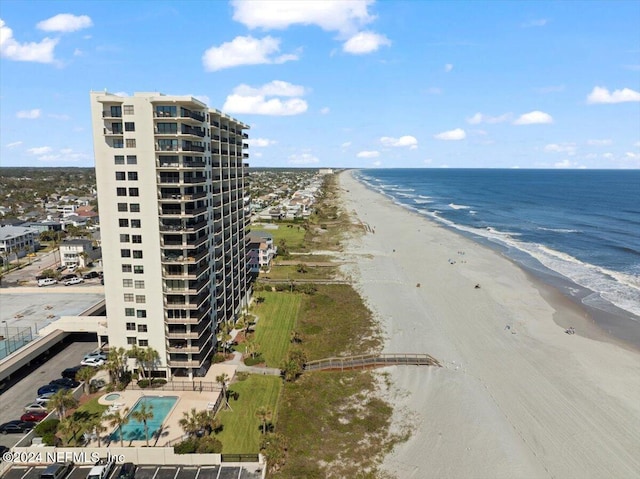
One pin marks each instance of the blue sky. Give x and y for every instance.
(338, 83)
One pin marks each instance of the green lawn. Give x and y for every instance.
(293, 236)
(241, 428)
(277, 317)
(287, 272)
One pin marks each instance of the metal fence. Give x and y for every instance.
(200, 386)
(13, 339)
(239, 458)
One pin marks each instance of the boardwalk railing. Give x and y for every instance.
(199, 386)
(371, 360)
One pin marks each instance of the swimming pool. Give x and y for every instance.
(134, 430)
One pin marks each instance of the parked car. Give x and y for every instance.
(44, 398)
(33, 416)
(66, 382)
(61, 268)
(14, 427)
(72, 268)
(68, 276)
(35, 407)
(74, 280)
(3, 449)
(95, 354)
(91, 275)
(50, 388)
(102, 469)
(46, 282)
(93, 362)
(58, 470)
(71, 372)
(127, 471)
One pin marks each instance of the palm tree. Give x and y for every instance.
(222, 380)
(116, 364)
(149, 358)
(61, 401)
(264, 414)
(118, 420)
(208, 421)
(144, 414)
(190, 422)
(98, 428)
(84, 375)
(66, 430)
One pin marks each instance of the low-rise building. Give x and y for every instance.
(18, 240)
(261, 251)
(77, 252)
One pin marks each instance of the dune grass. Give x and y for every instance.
(241, 428)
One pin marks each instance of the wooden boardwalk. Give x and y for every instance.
(371, 361)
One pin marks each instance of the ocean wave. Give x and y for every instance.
(422, 201)
(458, 207)
(557, 230)
(472, 212)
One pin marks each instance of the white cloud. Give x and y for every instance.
(78, 53)
(568, 148)
(457, 134)
(59, 117)
(256, 154)
(121, 93)
(325, 110)
(41, 52)
(65, 22)
(406, 140)
(203, 98)
(303, 159)
(599, 142)
(341, 16)
(249, 100)
(40, 150)
(480, 118)
(632, 155)
(377, 163)
(368, 154)
(564, 164)
(434, 90)
(448, 67)
(428, 161)
(346, 144)
(365, 42)
(261, 142)
(541, 22)
(602, 95)
(245, 51)
(534, 118)
(607, 156)
(637, 144)
(29, 114)
(14, 144)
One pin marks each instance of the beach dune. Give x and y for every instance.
(516, 396)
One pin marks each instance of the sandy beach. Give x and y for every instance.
(516, 396)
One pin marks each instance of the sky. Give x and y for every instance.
(351, 83)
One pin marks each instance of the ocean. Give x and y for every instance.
(578, 229)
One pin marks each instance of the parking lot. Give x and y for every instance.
(13, 399)
(148, 472)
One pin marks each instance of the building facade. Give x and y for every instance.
(17, 240)
(260, 252)
(171, 191)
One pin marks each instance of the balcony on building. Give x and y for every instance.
(192, 115)
(114, 111)
(193, 146)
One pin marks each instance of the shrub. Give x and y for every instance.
(157, 382)
(218, 358)
(209, 444)
(143, 383)
(48, 426)
(257, 359)
(49, 438)
(242, 376)
(187, 446)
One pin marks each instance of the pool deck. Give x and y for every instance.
(187, 400)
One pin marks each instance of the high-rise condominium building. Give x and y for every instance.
(171, 192)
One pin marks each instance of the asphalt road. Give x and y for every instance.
(13, 400)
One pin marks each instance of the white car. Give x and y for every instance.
(35, 407)
(44, 398)
(76, 280)
(96, 355)
(93, 362)
(46, 282)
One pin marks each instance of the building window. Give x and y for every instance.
(116, 111)
(120, 176)
(127, 109)
(143, 343)
(123, 223)
(141, 298)
(131, 326)
(132, 160)
(132, 176)
(118, 143)
(128, 297)
(125, 253)
(129, 126)
(168, 145)
(121, 191)
(139, 284)
(126, 268)
(136, 223)
(141, 313)
(137, 239)
(138, 269)
(131, 142)
(127, 283)
(134, 192)
(124, 238)
(131, 341)
(137, 254)
(134, 207)
(166, 111)
(122, 207)
(142, 328)
(129, 312)
(168, 128)
(119, 159)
